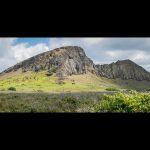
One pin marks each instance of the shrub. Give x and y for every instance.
(70, 100)
(123, 102)
(46, 98)
(12, 89)
(68, 104)
(112, 89)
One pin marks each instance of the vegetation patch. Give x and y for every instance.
(125, 102)
(12, 89)
(112, 89)
(120, 102)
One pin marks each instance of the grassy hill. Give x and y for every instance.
(39, 82)
(30, 81)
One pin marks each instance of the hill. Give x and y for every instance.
(68, 69)
(125, 69)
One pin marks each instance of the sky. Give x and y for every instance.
(100, 50)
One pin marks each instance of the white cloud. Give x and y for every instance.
(139, 56)
(6, 62)
(11, 53)
(83, 42)
(5, 47)
(114, 54)
(22, 51)
(56, 42)
(92, 41)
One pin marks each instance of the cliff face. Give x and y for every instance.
(73, 60)
(125, 69)
(67, 60)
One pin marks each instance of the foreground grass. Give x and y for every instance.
(44, 102)
(89, 102)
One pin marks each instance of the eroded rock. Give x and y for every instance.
(125, 69)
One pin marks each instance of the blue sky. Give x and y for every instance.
(100, 50)
(32, 41)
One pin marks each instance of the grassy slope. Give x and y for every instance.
(30, 81)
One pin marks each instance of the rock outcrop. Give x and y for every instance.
(68, 60)
(125, 69)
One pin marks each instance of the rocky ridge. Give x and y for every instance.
(67, 60)
(125, 69)
(70, 60)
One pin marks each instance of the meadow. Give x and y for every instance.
(36, 92)
(39, 82)
(46, 102)
(89, 102)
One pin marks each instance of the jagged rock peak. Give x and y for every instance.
(126, 61)
(124, 69)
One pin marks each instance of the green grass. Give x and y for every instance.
(40, 101)
(35, 82)
(112, 89)
(43, 102)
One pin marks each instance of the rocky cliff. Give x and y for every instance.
(125, 69)
(65, 61)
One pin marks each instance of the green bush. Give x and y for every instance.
(68, 104)
(70, 100)
(125, 102)
(112, 89)
(12, 89)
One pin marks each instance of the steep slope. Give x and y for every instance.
(125, 69)
(67, 60)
